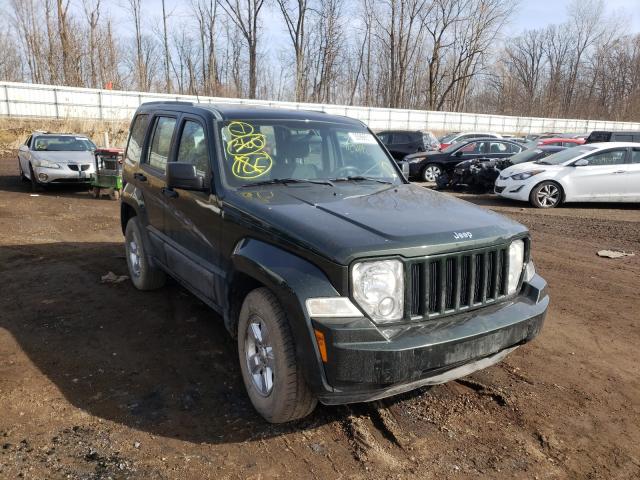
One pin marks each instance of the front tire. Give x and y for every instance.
(546, 195)
(431, 172)
(143, 275)
(23, 177)
(36, 186)
(272, 377)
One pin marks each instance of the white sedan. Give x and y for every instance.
(596, 172)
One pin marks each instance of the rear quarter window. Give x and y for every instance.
(136, 138)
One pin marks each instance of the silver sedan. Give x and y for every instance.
(47, 158)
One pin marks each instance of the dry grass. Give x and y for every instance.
(14, 131)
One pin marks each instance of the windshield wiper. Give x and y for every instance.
(540, 162)
(360, 178)
(284, 181)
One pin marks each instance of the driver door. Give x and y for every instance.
(602, 179)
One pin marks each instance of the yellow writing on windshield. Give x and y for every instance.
(246, 148)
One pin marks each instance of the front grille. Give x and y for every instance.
(76, 167)
(447, 284)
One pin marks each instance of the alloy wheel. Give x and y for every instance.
(259, 356)
(431, 173)
(548, 195)
(134, 257)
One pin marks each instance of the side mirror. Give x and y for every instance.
(183, 176)
(583, 162)
(404, 167)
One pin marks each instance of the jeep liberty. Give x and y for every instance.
(341, 281)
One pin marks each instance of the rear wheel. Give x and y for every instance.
(144, 275)
(273, 379)
(546, 195)
(431, 172)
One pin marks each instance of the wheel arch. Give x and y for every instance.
(292, 279)
(563, 194)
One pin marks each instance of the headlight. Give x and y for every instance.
(516, 262)
(378, 287)
(46, 164)
(525, 175)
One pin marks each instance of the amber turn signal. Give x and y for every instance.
(322, 345)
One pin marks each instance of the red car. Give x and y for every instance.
(560, 142)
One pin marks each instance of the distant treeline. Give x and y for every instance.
(424, 54)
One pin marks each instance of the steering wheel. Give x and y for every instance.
(347, 171)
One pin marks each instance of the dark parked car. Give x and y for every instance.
(429, 166)
(298, 229)
(403, 142)
(598, 136)
(479, 175)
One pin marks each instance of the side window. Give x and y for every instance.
(471, 148)
(136, 139)
(385, 138)
(401, 138)
(161, 142)
(497, 147)
(193, 147)
(514, 148)
(610, 157)
(635, 155)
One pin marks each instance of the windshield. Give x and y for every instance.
(527, 156)
(257, 151)
(448, 138)
(566, 155)
(63, 143)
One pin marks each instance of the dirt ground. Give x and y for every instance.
(103, 381)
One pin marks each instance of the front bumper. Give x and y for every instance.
(67, 173)
(364, 365)
(515, 190)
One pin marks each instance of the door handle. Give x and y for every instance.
(620, 171)
(169, 192)
(140, 177)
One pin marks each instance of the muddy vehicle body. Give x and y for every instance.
(341, 281)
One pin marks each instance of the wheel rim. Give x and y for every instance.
(134, 257)
(259, 356)
(431, 173)
(548, 195)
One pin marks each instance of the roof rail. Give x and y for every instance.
(170, 102)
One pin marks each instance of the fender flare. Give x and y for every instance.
(292, 279)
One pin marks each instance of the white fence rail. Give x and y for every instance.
(48, 101)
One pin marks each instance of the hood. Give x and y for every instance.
(526, 166)
(355, 220)
(63, 157)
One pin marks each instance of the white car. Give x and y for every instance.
(47, 158)
(595, 172)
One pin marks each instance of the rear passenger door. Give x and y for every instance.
(193, 218)
(150, 176)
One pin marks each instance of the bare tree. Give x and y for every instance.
(246, 17)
